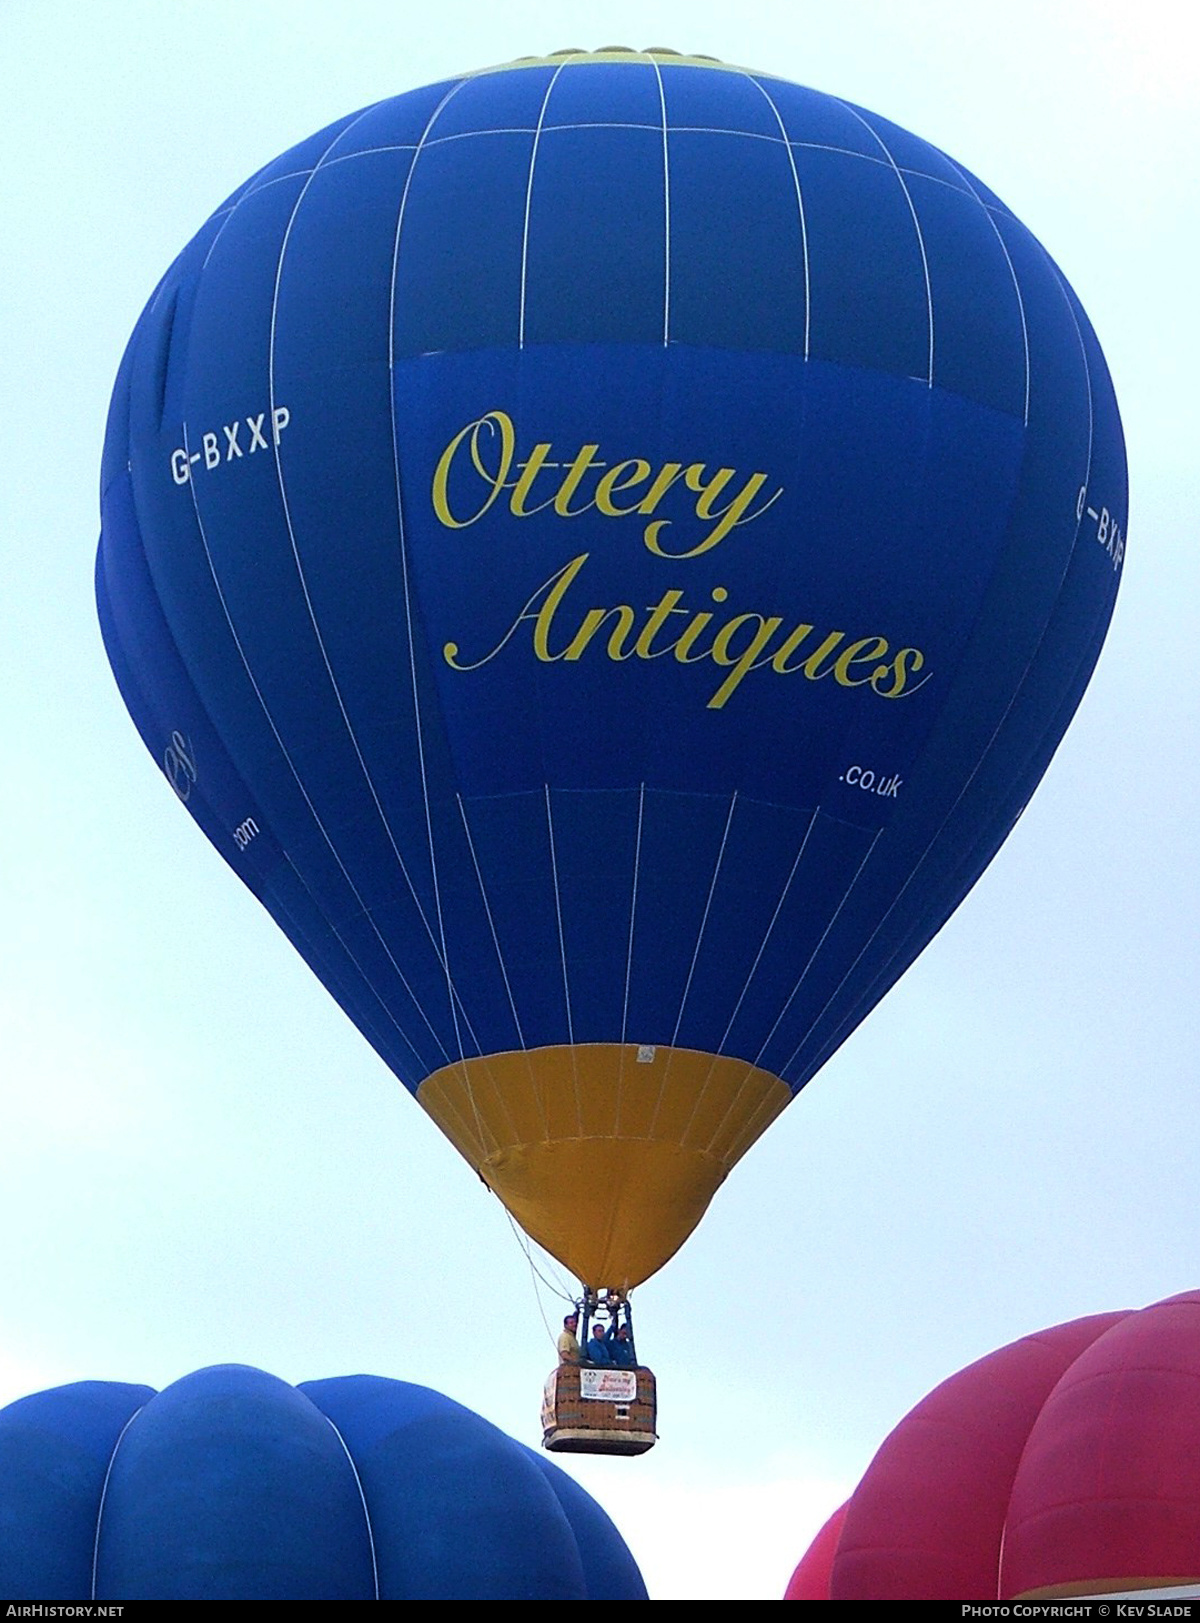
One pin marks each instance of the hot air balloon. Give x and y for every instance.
(1067, 1463)
(606, 547)
(232, 1485)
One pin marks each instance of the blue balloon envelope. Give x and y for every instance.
(606, 548)
(232, 1485)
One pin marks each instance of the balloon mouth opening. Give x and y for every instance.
(607, 1154)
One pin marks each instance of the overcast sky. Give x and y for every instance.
(200, 1159)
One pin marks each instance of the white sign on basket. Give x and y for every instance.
(609, 1385)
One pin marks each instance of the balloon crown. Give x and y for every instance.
(600, 52)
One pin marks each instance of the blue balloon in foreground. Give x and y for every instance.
(231, 1485)
(606, 548)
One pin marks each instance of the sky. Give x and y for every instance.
(201, 1161)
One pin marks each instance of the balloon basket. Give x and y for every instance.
(599, 1411)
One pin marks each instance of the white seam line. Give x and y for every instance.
(491, 923)
(321, 911)
(916, 223)
(346, 948)
(237, 641)
(283, 750)
(813, 955)
(732, 1105)
(475, 1134)
(770, 928)
(512, 1002)
(562, 948)
(1024, 674)
(408, 616)
(529, 203)
(1012, 271)
(637, 862)
(704, 921)
(344, 131)
(104, 1493)
(362, 1496)
(308, 603)
(692, 969)
(748, 1131)
(662, 102)
(799, 207)
(252, 189)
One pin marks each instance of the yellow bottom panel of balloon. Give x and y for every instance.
(607, 1154)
